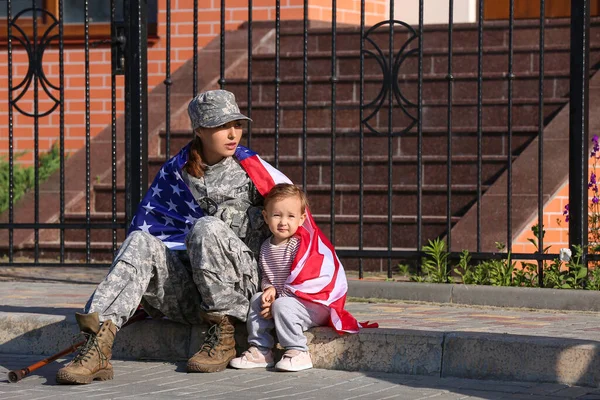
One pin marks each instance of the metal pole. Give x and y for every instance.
(136, 105)
(578, 124)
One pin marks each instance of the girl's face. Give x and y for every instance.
(219, 142)
(284, 217)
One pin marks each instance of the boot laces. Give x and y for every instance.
(212, 339)
(85, 351)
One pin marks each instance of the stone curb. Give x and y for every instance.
(446, 354)
(551, 299)
(521, 358)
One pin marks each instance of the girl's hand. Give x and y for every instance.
(267, 299)
(268, 296)
(266, 312)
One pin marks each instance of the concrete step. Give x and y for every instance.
(75, 251)
(495, 34)
(347, 140)
(434, 114)
(416, 339)
(347, 195)
(375, 168)
(375, 228)
(464, 60)
(347, 165)
(96, 235)
(435, 85)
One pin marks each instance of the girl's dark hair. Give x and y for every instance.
(195, 165)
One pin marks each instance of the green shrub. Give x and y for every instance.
(24, 177)
(435, 264)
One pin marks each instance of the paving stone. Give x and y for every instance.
(159, 380)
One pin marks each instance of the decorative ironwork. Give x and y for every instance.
(35, 52)
(390, 77)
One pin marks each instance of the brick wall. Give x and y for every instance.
(557, 229)
(100, 81)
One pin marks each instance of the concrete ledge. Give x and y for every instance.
(521, 358)
(382, 350)
(417, 352)
(35, 333)
(153, 339)
(551, 299)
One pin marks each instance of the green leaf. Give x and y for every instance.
(566, 286)
(582, 273)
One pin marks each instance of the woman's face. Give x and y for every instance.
(219, 142)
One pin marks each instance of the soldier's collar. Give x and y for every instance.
(224, 163)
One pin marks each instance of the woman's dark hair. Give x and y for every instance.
(195, 165)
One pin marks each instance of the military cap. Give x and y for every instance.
(214, 108)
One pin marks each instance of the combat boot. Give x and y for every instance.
(218, 347)
(92, 361)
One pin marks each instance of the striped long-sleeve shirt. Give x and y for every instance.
(275, 263)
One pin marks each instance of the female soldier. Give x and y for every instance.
(191, 251)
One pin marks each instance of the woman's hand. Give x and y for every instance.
(267, 299)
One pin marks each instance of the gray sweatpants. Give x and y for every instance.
(220, 277)
(291, 317)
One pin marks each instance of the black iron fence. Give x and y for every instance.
(390, 90)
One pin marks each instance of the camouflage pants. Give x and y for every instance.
(220, 277)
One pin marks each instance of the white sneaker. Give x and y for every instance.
(253, 358)
(294, 360)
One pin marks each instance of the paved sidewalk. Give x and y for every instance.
(159, 380)
(418, 339)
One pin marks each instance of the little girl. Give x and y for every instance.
(276, 307)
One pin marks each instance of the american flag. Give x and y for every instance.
(169, 210)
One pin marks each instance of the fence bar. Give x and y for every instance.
(61, 73)
(54, 265)
(578, 124)
(390, 133)
(361, 133)
(417, 255)
(86, 23)
(541, 145)
(510, 80)
(36, 133)
(277, 77)
(136, 106)
(222, 48)
(113, 134)
(249, 110)
(419, 134)
(56, 225)
(195, 72)
(168, 82)
(333, 115)
(11, 160)
(479, 116)
(450, 79)
(304, 95)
